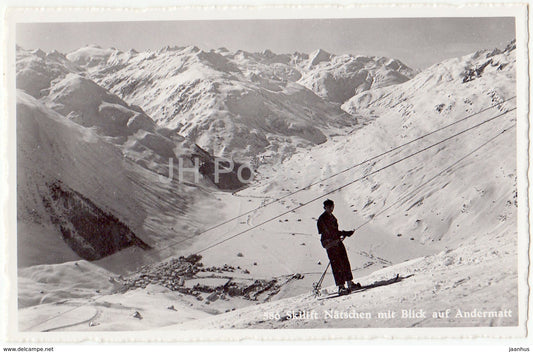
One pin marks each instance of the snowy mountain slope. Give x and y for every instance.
(84, 102)
(87, 104)
(93, 55)
(410, 210)
(468, 72)
(405, 112)
(338, 78)
(45, 142)
(37, 69)
(217, 97)
(81, 142)
(45, 283)
(459, 224)
(462, 280)
(92, 173)
(227, 105)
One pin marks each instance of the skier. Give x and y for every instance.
(331, 239)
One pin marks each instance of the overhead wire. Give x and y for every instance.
(196, 235)
(355, 180)
(413, 192)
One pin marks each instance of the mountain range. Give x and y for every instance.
(96, 129)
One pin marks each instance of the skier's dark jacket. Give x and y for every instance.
(328, 227)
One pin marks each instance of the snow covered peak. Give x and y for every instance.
(511, 46)
(318, 56)
(237, 105)
(56, 54)
(169, 48)
(191, 49)
(488, 70)
(90, 55)
(39, 53)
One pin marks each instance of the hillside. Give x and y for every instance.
(338, 78)
(82, 149)
(402, 113)
(243, 104)
(460, 281)
(453, 207)
(444, 218)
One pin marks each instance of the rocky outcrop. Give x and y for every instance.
(88, 230)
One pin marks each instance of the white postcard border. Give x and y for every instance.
(9, 274)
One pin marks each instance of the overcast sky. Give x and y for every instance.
(418, 42)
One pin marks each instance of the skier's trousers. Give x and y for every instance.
(342, 272)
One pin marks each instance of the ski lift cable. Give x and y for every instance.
(354, 181)
(336, 174)
(410, 194)
(413, 192)
(62, 313)
(358, 164)
(300, 206)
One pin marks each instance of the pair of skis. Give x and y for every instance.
(317, 286)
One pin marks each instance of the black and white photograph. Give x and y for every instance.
(306, 174)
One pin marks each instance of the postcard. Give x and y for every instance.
(270, 173)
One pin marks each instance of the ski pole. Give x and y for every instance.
(317, 286)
